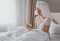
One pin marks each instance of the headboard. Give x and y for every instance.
(56, 16)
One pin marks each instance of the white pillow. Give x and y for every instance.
(57, 29)
(54, 28)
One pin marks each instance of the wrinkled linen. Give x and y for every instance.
(55, 37)
(14, 33)
(33, 36)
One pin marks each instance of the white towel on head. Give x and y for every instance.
(44, 8)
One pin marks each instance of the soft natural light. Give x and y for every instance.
(7, 12)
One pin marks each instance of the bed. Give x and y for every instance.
(12, 29)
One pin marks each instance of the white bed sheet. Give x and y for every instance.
(55, 37)
(13, 33)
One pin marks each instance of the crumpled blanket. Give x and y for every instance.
(33, 36)
(14, 34)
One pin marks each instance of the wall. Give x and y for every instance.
(54, 5)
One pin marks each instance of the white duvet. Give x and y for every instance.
(33, 35)
(30, 36)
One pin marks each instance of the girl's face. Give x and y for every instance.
(39, 11)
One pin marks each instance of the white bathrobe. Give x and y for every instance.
(37, 20)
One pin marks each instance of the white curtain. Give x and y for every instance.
(23, 15)
(13, 12)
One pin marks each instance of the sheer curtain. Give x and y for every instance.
(23, 11)
(14, 12)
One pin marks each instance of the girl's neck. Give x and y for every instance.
(41, 17)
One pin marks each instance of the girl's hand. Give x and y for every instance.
(28, 26)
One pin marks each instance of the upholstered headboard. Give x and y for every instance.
(56, 16)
